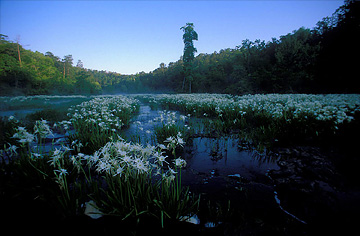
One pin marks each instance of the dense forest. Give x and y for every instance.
(318, 60)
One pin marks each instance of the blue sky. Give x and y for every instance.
(133, 36)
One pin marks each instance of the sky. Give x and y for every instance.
(133, 36)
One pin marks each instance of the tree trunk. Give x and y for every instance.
(183, 85)
(18, 48)
(16, 81)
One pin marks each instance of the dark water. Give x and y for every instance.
(141, 127)
(221, 168)
(224, 157)
(206, 157)
(18, 113)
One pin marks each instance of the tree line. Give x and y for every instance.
(318, 60)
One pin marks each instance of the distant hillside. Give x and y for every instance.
(319, 60)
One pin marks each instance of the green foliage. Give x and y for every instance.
(41, 74)
(91, 135)
(162, 132)
(97, 121)
(189, 52)
(188, 37)
(265, 119)
(336, 64)
(318, 60)
(175, 202)
(7, 130)
(120, 177)
(51, 115)
(128, 196)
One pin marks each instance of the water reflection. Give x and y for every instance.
(142, 126)
(224, 156)
(220, 156)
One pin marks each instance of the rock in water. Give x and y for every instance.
(92, 210)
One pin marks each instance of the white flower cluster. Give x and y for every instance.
(8, 151)
(104, 111)
(42, 128)
(121, 158)
(166, 117)
(169, 118)
(335, 107)
(173, 142)
(116, 158)
(193, 103)
(23, 135)
(332, 107)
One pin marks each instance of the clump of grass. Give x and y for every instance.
(49, 114)
(7, 130)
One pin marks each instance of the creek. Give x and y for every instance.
(219, 168)
(223, 156)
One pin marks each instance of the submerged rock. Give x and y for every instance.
(92, 210)
(193, 219)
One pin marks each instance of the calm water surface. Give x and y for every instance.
(206, 157)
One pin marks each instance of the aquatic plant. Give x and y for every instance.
(170, 124)
(141, 181)
(23, 136)
(175, 201)
(42, 129)
(130, 171)
(121, 178)
(336, 107)
(270, 116)
(97, 121)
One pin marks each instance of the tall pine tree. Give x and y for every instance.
(189, 52)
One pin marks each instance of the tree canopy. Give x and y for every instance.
(318, 60)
